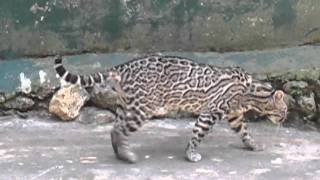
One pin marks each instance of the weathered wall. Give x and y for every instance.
(41, 27)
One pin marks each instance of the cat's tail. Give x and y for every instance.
(83, 80)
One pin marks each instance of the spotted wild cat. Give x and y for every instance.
(155, 85)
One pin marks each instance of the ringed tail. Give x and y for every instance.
(84, 80)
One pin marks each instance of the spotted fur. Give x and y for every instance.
(156, 85)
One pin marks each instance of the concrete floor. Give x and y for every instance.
(47, 149)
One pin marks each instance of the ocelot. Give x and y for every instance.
(155, 85)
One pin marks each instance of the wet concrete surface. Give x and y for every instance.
(47, 149)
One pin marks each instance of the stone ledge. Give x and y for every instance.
(302, 89)
(295, 70)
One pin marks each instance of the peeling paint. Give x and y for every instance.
(42, 76)
(25, 83)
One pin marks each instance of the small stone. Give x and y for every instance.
(307, 103)
(68, 101)
(292, 86)
(289, 100)
(170, 157)
(276, 161)
(43, 92)
(19, 103)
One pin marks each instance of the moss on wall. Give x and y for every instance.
(41, 27)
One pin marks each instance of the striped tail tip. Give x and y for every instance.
(58, 59)
(83, 80)
(61, 71)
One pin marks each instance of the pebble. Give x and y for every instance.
(170, 157)
(276, 161)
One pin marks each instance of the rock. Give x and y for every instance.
(95, 115)
(297, 120)
(19, 103)
(2, 97)
(67, 102)
(42, 92)
(292, 87)
(307, 103)
(290, 101)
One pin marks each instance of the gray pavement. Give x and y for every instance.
(48, 149)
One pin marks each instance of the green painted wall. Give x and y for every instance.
(266, 63)
(44, 27)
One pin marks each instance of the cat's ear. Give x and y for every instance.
(278, 96)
